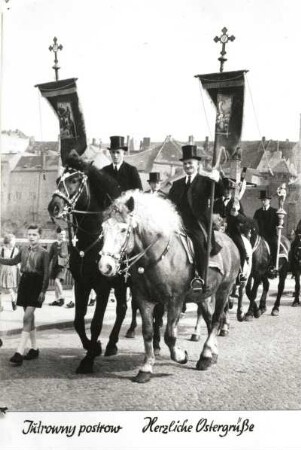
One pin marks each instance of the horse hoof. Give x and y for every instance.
(85, 366)
(275, 312)
(248, 317)
(230, 303)
(224, 333)
(157, 351)
(130, 334)
(195, 337)
(257, 313)
(263, 309)
(204, 363)
(142, 377)
(111, 350)
(295, 303)
(241, 317)
(214, 358)
(184, 361)
(95, 350)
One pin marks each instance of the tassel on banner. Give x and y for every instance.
(63, 98)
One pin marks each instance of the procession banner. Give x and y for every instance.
(63, 98)
(226, 90)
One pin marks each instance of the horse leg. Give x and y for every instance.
(145, 373)
(131, 331)
(262, 302)
(209, 354)
(225, 321)
(281, 285)
(296, 301)
(240, 315)
(121, 307)
(174, 309)
(252, 297)
(81, 293)
(157, 324)
(196, 336)
(102, 290)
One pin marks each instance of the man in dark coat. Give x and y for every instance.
(267, 221)
(234, 214)
(126, 175)
(191, 195)
(154, 182)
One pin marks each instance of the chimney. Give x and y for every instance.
(206, 145)
(190, 140)
(128, 144)
(146, 143)
(93, 141)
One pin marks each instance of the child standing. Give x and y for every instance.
(59, 257)
(8, 274)
(31, 292)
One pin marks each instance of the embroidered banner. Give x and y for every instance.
(63, 98)
(226, 90)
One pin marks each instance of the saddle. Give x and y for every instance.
(215, 262)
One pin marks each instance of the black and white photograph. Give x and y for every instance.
(150, 224)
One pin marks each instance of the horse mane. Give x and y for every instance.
(153, 214)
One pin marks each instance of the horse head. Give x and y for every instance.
(72, 192)
(118, 238)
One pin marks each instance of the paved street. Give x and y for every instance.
(259, 368)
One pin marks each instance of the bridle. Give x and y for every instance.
(123, 259)
(70, 204)
(71, 200)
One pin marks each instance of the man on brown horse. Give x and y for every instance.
(191, 196)
(267, 221)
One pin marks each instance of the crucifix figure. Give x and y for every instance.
(224, 38)
(55, 48)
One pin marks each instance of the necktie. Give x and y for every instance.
(115, 170)
(188, 181)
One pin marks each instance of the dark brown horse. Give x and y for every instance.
(82, 197)
(296, 263)
(142, 236)
(260, 274)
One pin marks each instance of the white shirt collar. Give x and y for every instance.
(192, 177)
(265, 208)
(117, 165)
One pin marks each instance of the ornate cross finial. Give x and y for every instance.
(224, 38)
(55, 48)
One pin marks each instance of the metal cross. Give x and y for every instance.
(55, 48)
(74, 240)
(224, 38)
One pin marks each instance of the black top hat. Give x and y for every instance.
(154, 177)
(117, 142)
(265, 195)
(190, 152)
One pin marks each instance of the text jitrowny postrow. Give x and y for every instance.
(31, 427)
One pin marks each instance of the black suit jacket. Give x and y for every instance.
(198, 196)
(127, 176)
(225, 210)
(267, 222)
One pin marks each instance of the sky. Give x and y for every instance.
(135, 61)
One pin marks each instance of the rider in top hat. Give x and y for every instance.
(155, 183)
(126, 175)
(267, 220)
(191, 195)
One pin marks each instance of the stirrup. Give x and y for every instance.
(197, 284)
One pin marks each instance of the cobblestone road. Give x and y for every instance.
(259, 367)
